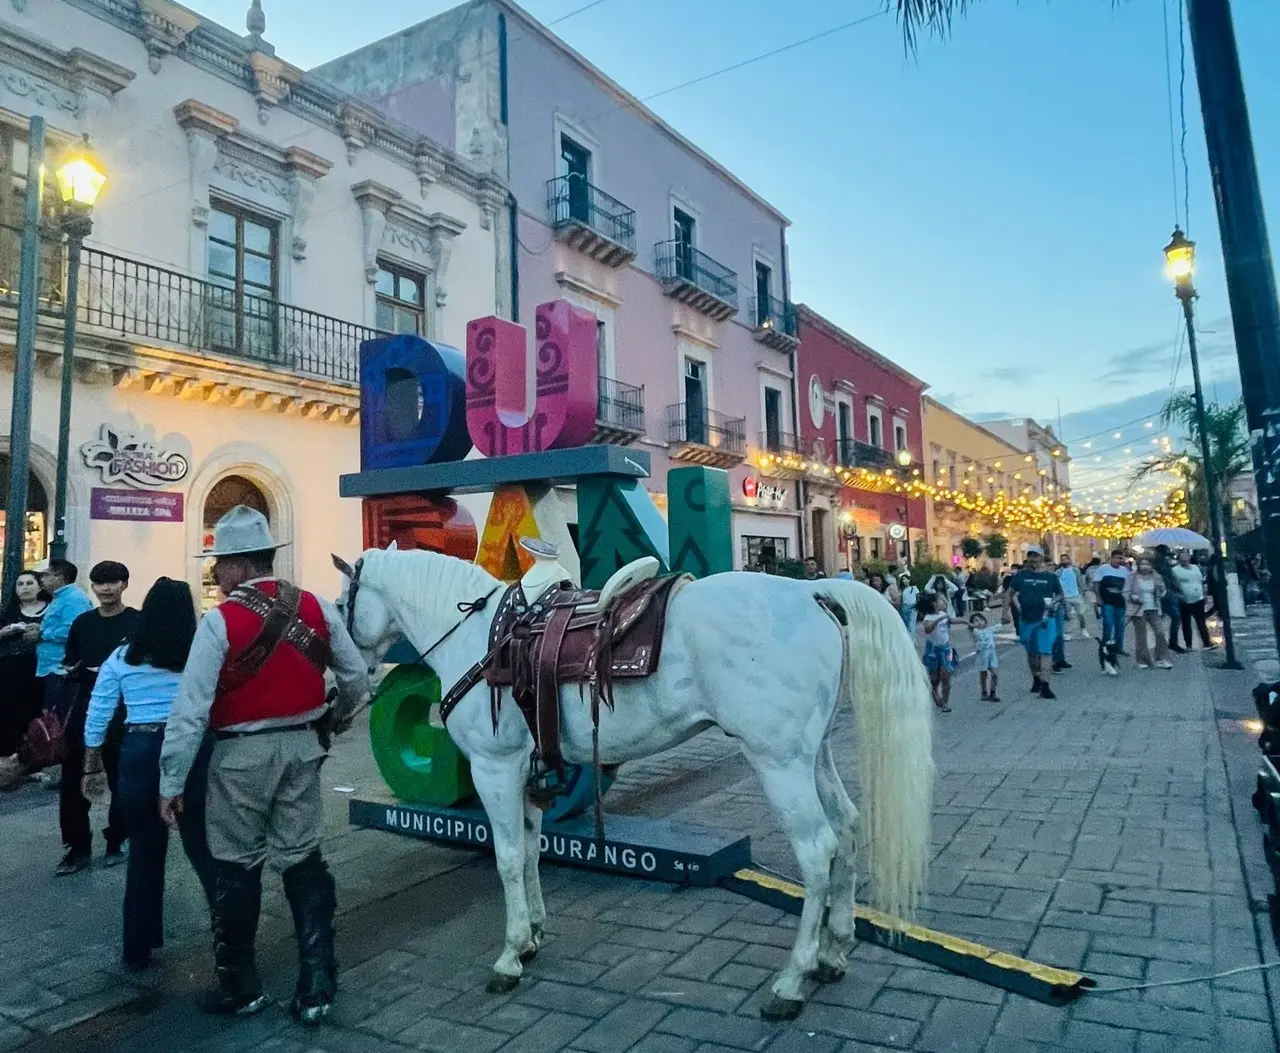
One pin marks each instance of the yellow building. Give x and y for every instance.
(962, 455)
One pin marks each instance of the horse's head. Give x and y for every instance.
(365, 610)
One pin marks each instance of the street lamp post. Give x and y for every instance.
(904, 461)
(80, 181)
(1180, 259)
(24, 359)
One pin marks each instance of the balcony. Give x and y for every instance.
(135, 300)
(854, 454)
(703, 436)
(589, 220)
(775, 323)
(619, 413)
(694, 278)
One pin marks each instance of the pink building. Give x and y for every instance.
(683, 266)
(859, 411)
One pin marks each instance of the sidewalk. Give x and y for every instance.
(1094, 832)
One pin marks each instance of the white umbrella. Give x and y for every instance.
(1174, 537)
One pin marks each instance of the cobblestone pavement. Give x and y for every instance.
(1109, 831)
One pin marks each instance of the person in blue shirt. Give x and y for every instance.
(145, 673)
(58, 579)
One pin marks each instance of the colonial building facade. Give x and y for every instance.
(683, 266)
(256, 225)
(965, 457)
(859, 419)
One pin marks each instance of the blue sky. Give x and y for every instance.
(989, 214)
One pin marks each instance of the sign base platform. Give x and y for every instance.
(656, 850)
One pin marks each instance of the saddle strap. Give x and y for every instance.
(547, 687)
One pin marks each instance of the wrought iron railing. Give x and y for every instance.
(863, 455)
(135, 299)
(779, 441)
(571, 199)
(679, 261)
(620, 405)
(49, 275)
(768, 312)
(688, 423)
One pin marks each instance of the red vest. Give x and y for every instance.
(287, 685)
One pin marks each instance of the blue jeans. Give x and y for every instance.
(909, 619)
(1059, 642)
(1113, 625)
(139, 789)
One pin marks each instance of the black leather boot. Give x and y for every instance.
(309, 888)
(237, 899)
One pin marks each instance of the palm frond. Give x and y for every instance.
(934, 16)
(930, 16)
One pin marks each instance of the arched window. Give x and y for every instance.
(227, 492)
(35, 546)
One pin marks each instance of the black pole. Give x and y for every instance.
(1218, 572)
(15, 518)
(1246, 252)
(77, 226)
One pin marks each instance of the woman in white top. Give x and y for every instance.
(1144, 591)
(910, 601)
(1190, 581)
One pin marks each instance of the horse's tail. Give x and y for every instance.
(885, 680)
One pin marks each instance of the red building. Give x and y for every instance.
(859, 411)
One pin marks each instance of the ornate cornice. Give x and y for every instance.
(224, 54)
(55, 79)
(165, 28)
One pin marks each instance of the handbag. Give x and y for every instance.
(45, 743)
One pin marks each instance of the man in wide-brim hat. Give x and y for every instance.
(256, 679)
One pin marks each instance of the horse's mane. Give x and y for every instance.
(425, 580)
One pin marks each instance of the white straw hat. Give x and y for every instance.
(242, 530)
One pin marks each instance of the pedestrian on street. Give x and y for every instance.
(988, 662)
(1171, 605)
(1145, 590)
(143, 674)
(886, 588)
(1191, 591)
(1006, 590)
(1108, 582)
(910, 601)
(19, 689)
(256, 678)
(1035, 593)
(1073, 593)
(93, 637)
(66, 603)
(939, 656)
(812, 572)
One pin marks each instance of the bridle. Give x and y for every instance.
(466, 609)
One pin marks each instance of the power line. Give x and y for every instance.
(725, 69)
(1168, 96)
(1182, 92)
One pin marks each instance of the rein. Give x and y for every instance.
(465, 608)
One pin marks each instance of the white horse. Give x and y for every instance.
(752, 654)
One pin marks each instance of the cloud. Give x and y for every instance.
(1154, 359)
(1006, 374)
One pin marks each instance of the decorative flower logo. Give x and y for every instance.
(133, 461)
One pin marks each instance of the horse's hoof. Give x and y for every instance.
(529, 953)
(501, 983)
(827, 974)
(781, 1008)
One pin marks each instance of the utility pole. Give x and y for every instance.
(1246, 252)
(24, 361)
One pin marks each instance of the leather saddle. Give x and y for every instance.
(570, 635)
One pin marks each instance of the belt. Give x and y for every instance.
(147, 729)
(222, 735)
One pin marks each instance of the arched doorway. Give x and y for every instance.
(224, 495)
(35, 547)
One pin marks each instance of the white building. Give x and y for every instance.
(256, 226)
